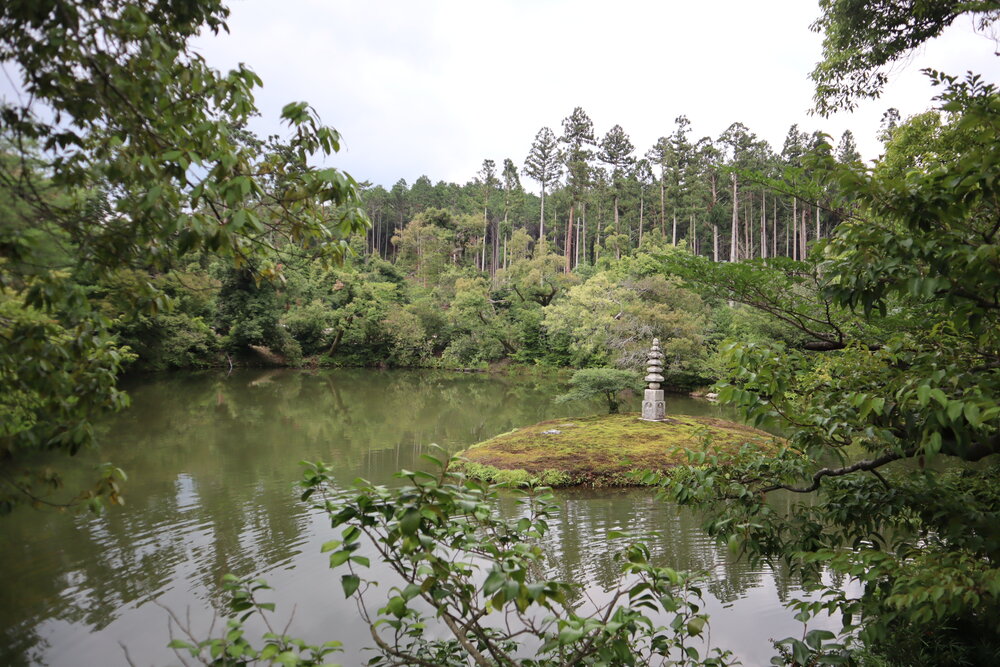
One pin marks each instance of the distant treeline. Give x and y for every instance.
(723, 197)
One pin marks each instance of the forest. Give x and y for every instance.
(853, 306)
(465, 276)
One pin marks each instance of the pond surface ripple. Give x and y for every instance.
(212, 459)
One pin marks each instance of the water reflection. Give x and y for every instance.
(212, 460)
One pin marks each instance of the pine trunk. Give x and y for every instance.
(763, 225)
(734, 232)
(774, 227)
(486, 232)
(569, 239)
(795, 229)
(803, 236)
(541, 217)
(663, 209)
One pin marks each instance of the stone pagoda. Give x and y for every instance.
(654, 408)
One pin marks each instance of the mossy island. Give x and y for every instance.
(603, 450)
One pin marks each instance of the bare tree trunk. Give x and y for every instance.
(579, 224)
(486, 232)
(817, 223)
(748, 228)
(763, 225)
(541, 217)
(803, 236)
(674, 240)
(663, 208)
(795, 229)
(618, 231)
(734, 237)
(774, 227)
(715, 225)
(569, 238)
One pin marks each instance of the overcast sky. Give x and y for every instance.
(433, 88)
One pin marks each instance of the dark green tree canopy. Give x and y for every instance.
(861, 38)
(607, 383)
(544, 163)
(616, 150)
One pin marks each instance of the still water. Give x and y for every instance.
(212, 460)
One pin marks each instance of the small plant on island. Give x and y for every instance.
(606, 382)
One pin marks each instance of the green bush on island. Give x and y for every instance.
(607, 383)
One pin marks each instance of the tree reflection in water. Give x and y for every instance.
(212, 460)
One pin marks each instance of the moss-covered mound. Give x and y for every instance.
(602, 450)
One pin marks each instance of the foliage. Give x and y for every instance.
(489, 317)
(168, 341)
(606, 382)
(613, 316)
(234, 648)
(442, 536)
(248, 317)
(861, 38)
(125, 150)
(889, 433)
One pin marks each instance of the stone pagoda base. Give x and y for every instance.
(654, 408)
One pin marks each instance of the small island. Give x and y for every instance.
(606, 450)
(602, 450)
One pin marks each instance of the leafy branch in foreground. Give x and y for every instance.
(891, 465)
(476, 576)
(233, 648)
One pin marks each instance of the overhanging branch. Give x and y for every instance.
(866, 465)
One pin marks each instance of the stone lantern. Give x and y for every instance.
(654, 408)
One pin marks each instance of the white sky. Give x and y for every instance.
(420, 87)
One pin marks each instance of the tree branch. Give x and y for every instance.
(866, 465)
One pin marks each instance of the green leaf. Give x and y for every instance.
(396, 606)
(494, 580)
(940, 397)
(923, 394)
(350, 582)
(410, 521)
(570, 635)
(972, 414)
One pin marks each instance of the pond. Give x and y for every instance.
(212, 459)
